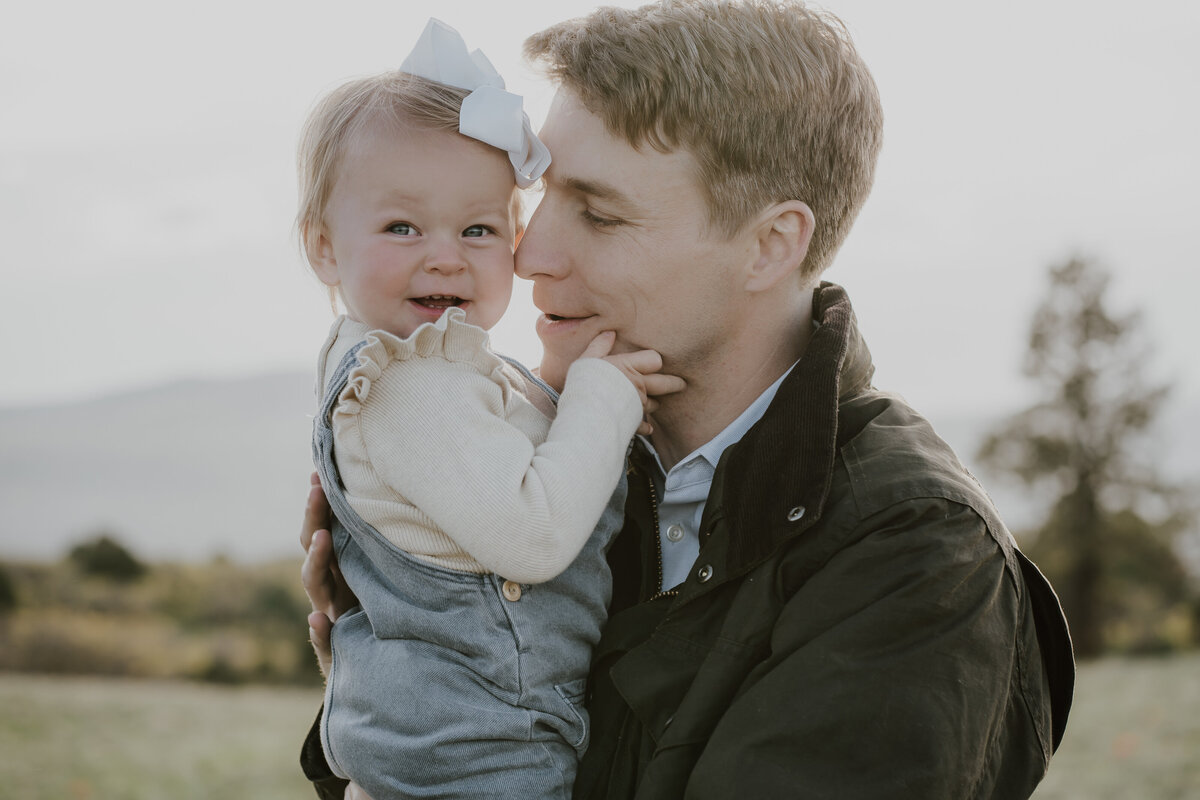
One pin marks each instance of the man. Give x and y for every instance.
(812, 597)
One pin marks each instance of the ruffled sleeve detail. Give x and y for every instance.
(451, 339)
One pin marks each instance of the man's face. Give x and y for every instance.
(621, 241)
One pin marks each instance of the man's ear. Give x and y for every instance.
(783, 232)
(319, 248)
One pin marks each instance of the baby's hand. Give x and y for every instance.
(642, 369)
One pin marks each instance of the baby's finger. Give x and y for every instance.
(600, 346)
(644, 361)
(656, 383)
(645, 429)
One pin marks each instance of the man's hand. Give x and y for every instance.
(642, 369)
(323, 583)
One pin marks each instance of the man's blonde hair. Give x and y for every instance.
(393, 98)
(770, 98)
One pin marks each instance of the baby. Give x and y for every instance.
(472, 516)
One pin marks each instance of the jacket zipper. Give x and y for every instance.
(658, 543)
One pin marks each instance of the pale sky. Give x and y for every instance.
(147, 183)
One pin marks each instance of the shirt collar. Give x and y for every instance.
(711, 451)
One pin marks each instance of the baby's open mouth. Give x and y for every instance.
(439, 301)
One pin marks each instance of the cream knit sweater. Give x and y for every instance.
(442, 451)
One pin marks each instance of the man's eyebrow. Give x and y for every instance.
(603, 191)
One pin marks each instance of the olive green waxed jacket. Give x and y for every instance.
(859, 623)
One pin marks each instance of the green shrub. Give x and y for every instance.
(106, 558)
(274, 603)
(8, 592)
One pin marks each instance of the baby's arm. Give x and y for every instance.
(446, 446)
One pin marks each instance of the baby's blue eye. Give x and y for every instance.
(476, 231)
(400, 229)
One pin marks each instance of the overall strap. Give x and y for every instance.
(346, 519)
(334, 388)
(534, 379)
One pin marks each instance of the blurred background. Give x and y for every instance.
(1024, 273)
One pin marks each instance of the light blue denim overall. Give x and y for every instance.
(440, 685)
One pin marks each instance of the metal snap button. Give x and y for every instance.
(705, 573)
(512, 591)
(675, 533)
(796, 513)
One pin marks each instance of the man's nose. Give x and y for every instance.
(539, 253)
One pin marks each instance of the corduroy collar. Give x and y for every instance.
(769, 486)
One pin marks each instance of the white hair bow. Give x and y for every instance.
(489, 114)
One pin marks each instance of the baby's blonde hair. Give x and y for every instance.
(770, 98)
(396, 98)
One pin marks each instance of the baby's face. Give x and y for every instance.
(418, 222)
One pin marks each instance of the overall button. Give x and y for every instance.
(512, 591)
(675, 533)
(796, 513)
(705, 573)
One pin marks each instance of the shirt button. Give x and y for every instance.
(796, 513)
(675, 533)
(705, 573)
(512, 591)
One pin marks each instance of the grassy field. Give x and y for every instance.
(118, 739)
(1134, 735)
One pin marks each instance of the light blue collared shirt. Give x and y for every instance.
(683, 491)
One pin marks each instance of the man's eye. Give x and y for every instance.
(401, 229)
(597, 221)
(476, 231)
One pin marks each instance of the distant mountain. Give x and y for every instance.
(184, 471)
(196, 469)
